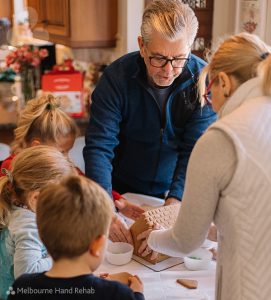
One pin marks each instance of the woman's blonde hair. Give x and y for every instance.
(42, 119)
(30, 170)
(243, 56)
(170, 18)
(71, 215)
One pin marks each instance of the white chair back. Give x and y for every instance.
(4, 151)
(76, 153)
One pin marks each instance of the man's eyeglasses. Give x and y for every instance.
(208, 90)
(160, 62)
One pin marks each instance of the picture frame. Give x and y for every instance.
(251, 16)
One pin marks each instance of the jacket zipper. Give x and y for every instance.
(162, 129)
(158, 157)
(161, 135)
(163, 123)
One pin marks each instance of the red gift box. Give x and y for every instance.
(69, 86)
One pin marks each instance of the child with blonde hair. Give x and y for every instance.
(21, 250)
(43, 122)
(73, 220)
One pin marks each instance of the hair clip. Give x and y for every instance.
(264, 55)
(51, 106)
(8, 174)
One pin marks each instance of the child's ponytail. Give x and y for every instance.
(42, 119)
(5, 200)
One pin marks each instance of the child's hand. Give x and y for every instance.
(104, 275)
(136, 284)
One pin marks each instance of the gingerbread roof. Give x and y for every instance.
(164, 216)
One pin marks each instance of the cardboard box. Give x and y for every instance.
(68, 86)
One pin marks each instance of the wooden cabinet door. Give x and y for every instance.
(36, 14)
(50, 15)
(56, 16)
(75, 23)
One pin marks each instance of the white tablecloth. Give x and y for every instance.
(162, 285)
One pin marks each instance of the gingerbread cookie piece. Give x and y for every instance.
(188, 283)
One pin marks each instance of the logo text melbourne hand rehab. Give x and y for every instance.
(53, 291)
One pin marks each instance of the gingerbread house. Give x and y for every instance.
(164, 216)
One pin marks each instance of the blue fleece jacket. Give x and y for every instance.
(130, 139)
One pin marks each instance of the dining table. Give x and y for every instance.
(162, 285)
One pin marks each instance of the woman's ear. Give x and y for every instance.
(96, 248)
(224, 83)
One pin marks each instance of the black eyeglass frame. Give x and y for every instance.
(170, 60)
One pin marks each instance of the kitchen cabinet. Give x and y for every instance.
(6, 10)
(51, 16)
(75, 23)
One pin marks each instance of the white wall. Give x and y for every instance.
(134, 16)
(224, 18)
(130, 14)
(268, 23)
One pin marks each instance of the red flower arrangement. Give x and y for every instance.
(24, 60)
(25, 57)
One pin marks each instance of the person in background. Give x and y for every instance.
(82, 205)
(229, 173)
(43, 122)
(21, 250)
(145, 115)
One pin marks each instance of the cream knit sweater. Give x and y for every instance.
(229, 182)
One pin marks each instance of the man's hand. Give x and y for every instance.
(171, 201)
(119, 231)
(128, 209)
(144, 249)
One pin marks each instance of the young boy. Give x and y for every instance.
(73, 220)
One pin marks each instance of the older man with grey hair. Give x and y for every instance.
(146, 116)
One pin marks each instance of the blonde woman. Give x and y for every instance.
(20, 247)
(229, 174)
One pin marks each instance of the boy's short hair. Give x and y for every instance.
(71, 214)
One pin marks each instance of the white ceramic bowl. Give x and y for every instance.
(199, 259)
(119, 253)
